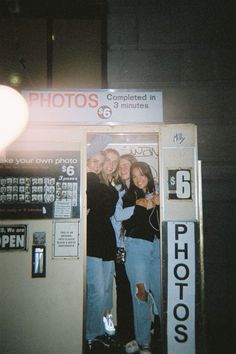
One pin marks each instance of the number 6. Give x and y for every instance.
(70, 170)
(183, 184)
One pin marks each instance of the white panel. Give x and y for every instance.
(175, 135)
(181, 288)
(178, 166)
(37, 312)
(96, 107)
(45, 315)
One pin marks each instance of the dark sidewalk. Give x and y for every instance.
(117, 348)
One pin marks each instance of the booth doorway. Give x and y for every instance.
(144, 146)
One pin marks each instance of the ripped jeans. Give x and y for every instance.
(143, 267)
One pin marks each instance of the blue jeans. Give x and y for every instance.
(99, 287)
(143, 266)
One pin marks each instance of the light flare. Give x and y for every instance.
(14, 115)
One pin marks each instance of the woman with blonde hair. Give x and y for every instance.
(108, 177)
(101, 249)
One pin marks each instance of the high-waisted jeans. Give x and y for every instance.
(99, 287)
(143, 266)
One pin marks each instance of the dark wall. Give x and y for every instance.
(54, 44)
(187, 49)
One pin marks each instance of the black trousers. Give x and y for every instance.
(125, 320)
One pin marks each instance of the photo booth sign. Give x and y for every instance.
(96, 107)
(35, 184)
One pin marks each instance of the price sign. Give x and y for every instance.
(104, 112)
(69, 170)
(36, 184)
(179, 184)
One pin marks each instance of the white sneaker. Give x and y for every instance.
(145, 349)
(131, 347)
(109, 325)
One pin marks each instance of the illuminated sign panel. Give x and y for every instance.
(94, 107)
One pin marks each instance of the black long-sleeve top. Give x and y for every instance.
(143, 224)
(101, 202)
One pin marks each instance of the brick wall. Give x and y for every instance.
(188, 50)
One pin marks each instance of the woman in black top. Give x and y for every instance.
(108, 177)
(142, 230)
(101, 246)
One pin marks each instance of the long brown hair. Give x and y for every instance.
(128, 157)
(145, 170)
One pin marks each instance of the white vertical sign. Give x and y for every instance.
(181, 288)
(66, 239)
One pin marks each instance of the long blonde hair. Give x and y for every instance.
(102, 176)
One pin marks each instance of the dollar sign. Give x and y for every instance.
(172, 181)
(104, 112)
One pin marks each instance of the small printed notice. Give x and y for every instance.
(66, 239)
(62, 209)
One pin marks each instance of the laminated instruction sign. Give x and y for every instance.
(66, 239)
(97, 107)
(39, 184)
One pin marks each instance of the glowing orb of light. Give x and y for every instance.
(14, 115)
(15, 79)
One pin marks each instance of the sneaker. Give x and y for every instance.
(145, 349)
(109, 325)
(131, 347)
(89, 345)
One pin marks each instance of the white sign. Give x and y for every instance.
(66, 239)
(181, 288)
(62, 209)
(95, 107)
